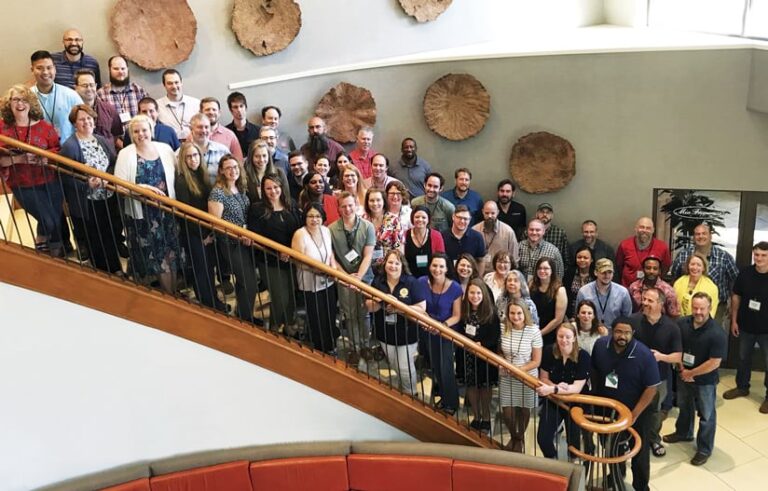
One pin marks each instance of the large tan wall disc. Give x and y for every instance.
(266, 26)
(345, 108)
(154, 35)
(542, 162)
(456, 106)
(425, 10)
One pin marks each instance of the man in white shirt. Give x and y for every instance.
(176, 109)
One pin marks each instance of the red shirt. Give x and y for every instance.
(629, 259)
(27, 171)
(363, 164)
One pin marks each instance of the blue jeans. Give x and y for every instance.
(744, 368)
(44, 203)
(692, 398)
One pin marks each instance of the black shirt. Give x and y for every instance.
(402, 331)
(275, 225)
(245, 136)
(752, 287)
(664, 336)
(708, 341)
(567, 372)
(515, 217)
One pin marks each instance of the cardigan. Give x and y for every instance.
(126, 166)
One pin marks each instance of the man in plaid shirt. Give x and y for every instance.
(554, 234)
(533, 247)
(123, 94)
(722, 266)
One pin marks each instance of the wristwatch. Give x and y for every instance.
(557, 389)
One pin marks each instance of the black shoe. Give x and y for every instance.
(485, 426)
(227, 287)
(675, 438)
(699, 459)
(83, 253)
(475, 424)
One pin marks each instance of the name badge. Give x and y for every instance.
(351, 256)
(688, 359)
(125, 117)
(470, 330)
(378, 254)
(640, 274)
(754, 305)
(422, 260)
(612, 381)
(390, 318)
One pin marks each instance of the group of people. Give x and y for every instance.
(479, 267)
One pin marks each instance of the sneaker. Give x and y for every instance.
(122, 250)
(735, 393)
(475, 424)
(699, 459)
(764, 407)
(675, 438)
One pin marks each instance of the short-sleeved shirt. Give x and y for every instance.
(440, 212)
(66, 70)
(402, 330)
(722, 268)
(664, 336)
(471, 242)
(752, 287)
(517, 345)
(412, 176)
(515, 217)
(235, 205)
(56, 106)
(529, 254)
(177, 114)
(635, 369)
(245, 136)
(567, 372)
(123, 99)
(362, 235)
(471, 200)
(671, 305)
(439, 305)
(629, 259)
(708, 341)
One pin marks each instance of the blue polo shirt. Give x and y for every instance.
(472, 243)
(635, 368)
(163, 134)
(471, 200)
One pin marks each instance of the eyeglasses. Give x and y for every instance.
(17, 100)
(395, 193)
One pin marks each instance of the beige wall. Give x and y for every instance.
(636, 120)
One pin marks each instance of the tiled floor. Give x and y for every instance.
(740, 459)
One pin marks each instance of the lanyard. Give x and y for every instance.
(175, 114)
(52, 114)
(602, 305)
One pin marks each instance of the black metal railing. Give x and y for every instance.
(98, 222)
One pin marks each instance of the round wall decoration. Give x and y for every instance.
(345, 108)
(266, 26)
(456, 106)
(154, 35)
(425, 10)
(542, 162)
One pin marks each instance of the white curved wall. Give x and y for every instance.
(82, 391)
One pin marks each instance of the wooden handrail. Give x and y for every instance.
(182, 210)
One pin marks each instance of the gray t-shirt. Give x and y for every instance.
(344, 241)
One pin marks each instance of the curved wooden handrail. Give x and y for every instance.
(182, 210)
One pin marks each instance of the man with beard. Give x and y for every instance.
(704, 347)
(72, 59)
(299, 168)
(270, 116)
(123, 94)
(510, 212)
(651, 279)
(662, 335)
(625, 370)
(200, 134)
(460, 238)
(633, 250)
(108, 123)
(279, 158)
(497, 236)
(440, 209)
(176, 109)
(379, 178)
(462, 195)
(363, 153)
(589, 239)
(211, 107)
(319, 143)
(411, 169)
(534, 247)
(314, 192)
(611, 299)
(163, 133)
(554, 234)
(244, 130)
(55, 100)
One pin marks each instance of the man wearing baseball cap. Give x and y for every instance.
(611, 300)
